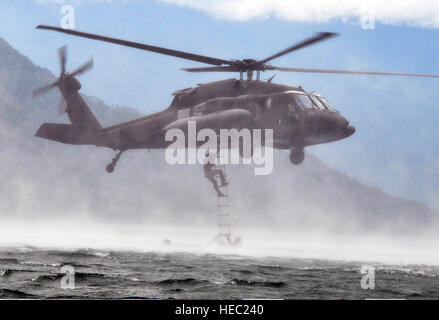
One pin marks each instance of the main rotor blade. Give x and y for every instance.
(354, 72)
(39, 91)
(86, 66)
(62, 56)
(169, 52)
(209, 69)
(317, 38)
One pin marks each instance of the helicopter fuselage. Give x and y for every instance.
(297, 119)
(271, 106)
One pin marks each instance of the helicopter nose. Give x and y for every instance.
(350, 130)
(328, 125)
(335, 123)
(342, 122)
(343, 128)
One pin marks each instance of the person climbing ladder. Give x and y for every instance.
(211, 172)
(216, 174)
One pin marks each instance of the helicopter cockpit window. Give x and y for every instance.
(326, 103)
(318, 103)
(303, 101)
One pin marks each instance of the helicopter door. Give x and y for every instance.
(283, 123)
(275, 115)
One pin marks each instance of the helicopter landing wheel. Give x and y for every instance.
(297, 155)
(110, 167)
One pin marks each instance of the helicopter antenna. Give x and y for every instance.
(271, 78)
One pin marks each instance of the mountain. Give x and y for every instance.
(44, 179)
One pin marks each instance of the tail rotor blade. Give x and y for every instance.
(39, 91)
(85, 67)
(62, 56)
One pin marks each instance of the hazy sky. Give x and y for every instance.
(395, 147)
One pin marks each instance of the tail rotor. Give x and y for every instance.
(65, 79)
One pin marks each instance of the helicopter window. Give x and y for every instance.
(291, 107)
(318, 103)
(303, 101)
(289, 102)
(279, 101)
(326, 103)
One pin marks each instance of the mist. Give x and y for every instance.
(69, 234)
(309, 211)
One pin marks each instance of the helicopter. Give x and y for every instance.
(298, 118)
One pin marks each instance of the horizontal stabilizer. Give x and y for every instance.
(70, 134)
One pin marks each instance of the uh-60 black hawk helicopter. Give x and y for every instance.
(298, 118)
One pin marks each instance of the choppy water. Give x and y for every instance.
(29, 272)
